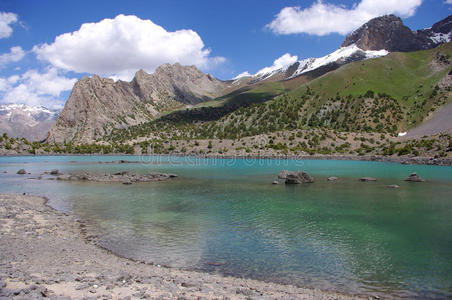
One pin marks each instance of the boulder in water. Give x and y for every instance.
(414, 178)
(393, 186)
(283, 174)
(332, 178)
(299, 177)
(21, 172)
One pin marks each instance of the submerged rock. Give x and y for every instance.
(414, 178)
(122, 173)
(368, 179)
(299, 177)
(393, 186)
(21, 172)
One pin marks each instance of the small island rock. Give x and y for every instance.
(332, 178)
(414, 178)
(299, 177)
(21, 172)
(283, 174)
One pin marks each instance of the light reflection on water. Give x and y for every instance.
(225, 216)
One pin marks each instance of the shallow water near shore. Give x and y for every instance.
(225, 216)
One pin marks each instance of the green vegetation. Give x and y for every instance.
(385, 95)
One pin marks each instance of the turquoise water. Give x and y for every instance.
(225, 216)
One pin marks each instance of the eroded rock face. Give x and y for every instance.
(389, 33)
(97, 105)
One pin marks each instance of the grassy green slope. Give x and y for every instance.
(404, 91)
(401, 75)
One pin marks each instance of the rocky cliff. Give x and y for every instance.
(389, 33)
(97, 105)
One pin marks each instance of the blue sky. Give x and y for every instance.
(44, 49)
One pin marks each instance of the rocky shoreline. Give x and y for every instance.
(47, 254)
(124, 177)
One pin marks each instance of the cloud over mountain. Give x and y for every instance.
(323, 18)
(35, 88)
(119, 47)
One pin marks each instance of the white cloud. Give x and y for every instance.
(15, 54)
(119, 47)
(324, 18)
(6, 19)
(279, 63)
(448, 1)
(35, 88)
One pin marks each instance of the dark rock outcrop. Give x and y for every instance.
(389, 33)
(22, 172)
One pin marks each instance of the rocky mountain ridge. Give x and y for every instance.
(376, 38)
(97, 105)
(389, 33)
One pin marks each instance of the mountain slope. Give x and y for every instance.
(376, 38)
(387, 95)
(30, 122)
(397, 91)
(98, 105)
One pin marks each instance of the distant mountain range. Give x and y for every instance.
(97, 106)
(30, 122)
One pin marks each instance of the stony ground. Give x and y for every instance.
(46, 254)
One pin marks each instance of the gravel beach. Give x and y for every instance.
(47, 254)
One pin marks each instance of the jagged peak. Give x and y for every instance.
(384, 33)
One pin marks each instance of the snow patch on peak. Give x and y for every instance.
(31, 111)
(341, 54)
(440, 38)
(280, 65)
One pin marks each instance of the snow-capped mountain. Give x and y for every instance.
(376, 38)
(339, 57)
(31, 122)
